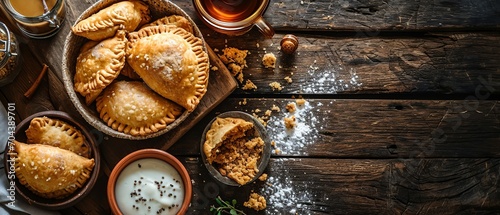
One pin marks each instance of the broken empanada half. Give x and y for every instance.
(127, 15)
(98, 66)
(224, 130)
(55, 132)
(49, 171)
(133, 108)
(175, 20)
(171, 61)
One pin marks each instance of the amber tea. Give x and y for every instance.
(231, 10)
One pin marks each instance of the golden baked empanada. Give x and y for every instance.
(175, 20)
(49, 171)
(221, 130)
(171, 61)
(129, 72)
(133, 108)
(54, 132)
(127, 15)
(98, 66)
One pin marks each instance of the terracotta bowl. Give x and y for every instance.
(143, 154)
(72, 45)
(260, 130)
(56, 204)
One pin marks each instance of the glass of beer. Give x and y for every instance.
(37, 19)
(234, 17)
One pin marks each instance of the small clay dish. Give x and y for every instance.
(134, 171)
(55, 204)
(259, 131)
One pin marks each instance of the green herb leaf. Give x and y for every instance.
(234, 202)
(233, 212)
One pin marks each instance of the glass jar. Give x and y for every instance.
(9, 55)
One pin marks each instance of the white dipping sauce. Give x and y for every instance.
(149, 186)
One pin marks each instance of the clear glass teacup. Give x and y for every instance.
(234, 17)
(37, 19)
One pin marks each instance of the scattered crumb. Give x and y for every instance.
(276, 108)
(234, 55)
(256, 202)
(244, 102)
(267, 113)
(290, 107)
(258, 45)
(273, 143)
(249, 85)
(269, 60)
(239, 77)
(277, 151)
(300, 101)
(263, 177)
(275, 86)
(288, 79)
(214, 68)
(290, 122)
(216, 50)
(257, 110)
(234, 68)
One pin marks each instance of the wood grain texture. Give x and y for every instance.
(372, 128)
(446, 63)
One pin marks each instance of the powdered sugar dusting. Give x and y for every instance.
(283, 196)
(330, 80)
(293, 141)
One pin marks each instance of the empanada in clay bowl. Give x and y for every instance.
(133, 108)
(55, 132)
(49, 171)
(174, 20)
(126, 15)
(171, 61)
(98, 65)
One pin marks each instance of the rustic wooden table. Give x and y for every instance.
(402, 112)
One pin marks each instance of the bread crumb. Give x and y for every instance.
(267, 113)
(290, 107)
(257, 110)
(276, 108)
(275, 86)
(263, 177)
(234, 55)
(277, 151)
(234, 68)
(273, 143)
(244, 102)
(214, 68)
(288, 79)
(249, 85)
(256, 202)
(269, 60)
(239, 77)
(290, 122)
(300, 101)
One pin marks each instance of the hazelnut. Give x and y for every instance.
(289, 43)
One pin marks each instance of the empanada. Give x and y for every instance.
(49, 171)
(223, 130)
(98, 66)
(54, 132)
(133, 108)
(175, 20)
(171, 61)
(127, 71)
(127, 15)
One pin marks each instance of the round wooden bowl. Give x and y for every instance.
(56, 204)
(72, 45)
(260, 131)
(149, 153)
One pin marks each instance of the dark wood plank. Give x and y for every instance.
(453, 63)
(383, 15)
(372, 128)
(355, 186)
